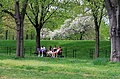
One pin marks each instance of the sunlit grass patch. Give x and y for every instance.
(56, 68)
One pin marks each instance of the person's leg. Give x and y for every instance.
(42, 54)
(47, 53)
(53, 54)
(56, 54)
(38, 53)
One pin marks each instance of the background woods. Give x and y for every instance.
(60, 20)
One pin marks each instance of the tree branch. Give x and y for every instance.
(10, 13)
(23, 11)
(17, 10)
(95, 20)
(101, 15)
(49, 4)
(53, 11)
(31, 7)
(49, 16)
(30, 20)
(47, 8)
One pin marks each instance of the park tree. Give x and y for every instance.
(76, 28)
(97, 10)
(113, 9)
(80, 25)
(41, 11)
(18, 13)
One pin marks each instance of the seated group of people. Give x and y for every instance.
(52, 52)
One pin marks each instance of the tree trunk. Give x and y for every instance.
(97, 43)
(81, 35)
(32, 36)
(113, 37)
(19, 19)
(97, 36)
(113, 9)
(21, 39)
(12, 37)
(118, 32)
(26, 36)
(37, 38)
(6, 34)
(18, 40)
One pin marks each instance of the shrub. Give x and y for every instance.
(100, 61)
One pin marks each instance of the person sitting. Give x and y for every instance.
(42, 51)
(50, 52)
(59, 50)
(55, 48)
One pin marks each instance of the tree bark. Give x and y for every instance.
(22, 39)
(19, 18)
(26, 36)
(6, 34)
(113, 9)
(81, 35)
(37, 38)
(18, 40)
(97, 43)
(97, 13)
(32, 36)
(97, 36)
(118, 31)
(12, 37)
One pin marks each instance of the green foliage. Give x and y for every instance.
(71, 9)
(55, 68)
(100, 61)
(104, 31)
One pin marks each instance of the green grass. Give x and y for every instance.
(55, 68)
(82, 47)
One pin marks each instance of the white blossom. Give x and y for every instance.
(72, 26)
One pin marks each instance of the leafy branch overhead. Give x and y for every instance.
(40, 12)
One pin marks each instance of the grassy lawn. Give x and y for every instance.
(56, 68)
(82, 47)
(81, 67)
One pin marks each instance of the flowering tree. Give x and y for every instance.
(73, 27)
(45, 33)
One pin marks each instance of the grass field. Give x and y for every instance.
(83, 48)
(57, 68)
(81, 67)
